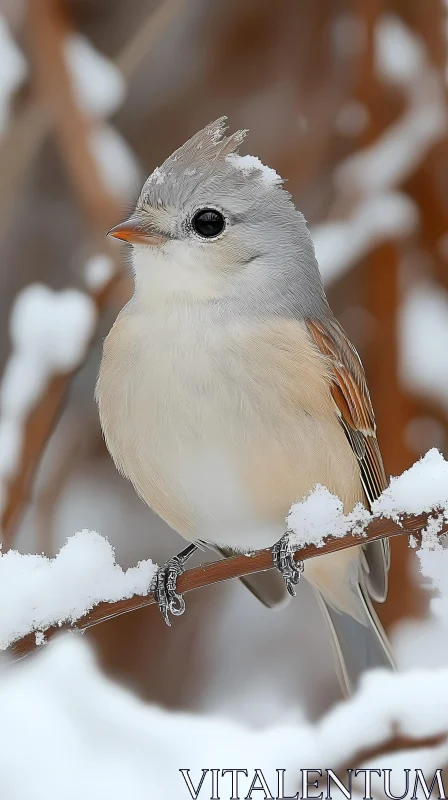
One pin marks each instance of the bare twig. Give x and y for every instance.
(235, 567)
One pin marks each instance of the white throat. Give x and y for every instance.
(164, 274)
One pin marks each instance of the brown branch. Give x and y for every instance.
(234, 567)
(395, 743)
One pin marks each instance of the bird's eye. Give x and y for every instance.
(208, 223)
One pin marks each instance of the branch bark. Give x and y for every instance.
(234, 567)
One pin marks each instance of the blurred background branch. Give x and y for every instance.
(48, 28)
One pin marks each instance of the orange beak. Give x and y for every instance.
(131, 231)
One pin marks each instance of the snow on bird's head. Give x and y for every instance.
(208, 161)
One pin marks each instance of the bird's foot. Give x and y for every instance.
(164, 590)
(283, 558)
(164, 585)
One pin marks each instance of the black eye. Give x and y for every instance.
(208, 223)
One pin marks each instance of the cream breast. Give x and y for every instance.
(221, 427)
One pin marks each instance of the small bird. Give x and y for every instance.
(228, 390)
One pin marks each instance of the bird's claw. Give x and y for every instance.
(283, 558)
(164, 590)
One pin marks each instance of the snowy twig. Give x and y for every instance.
(240, 565)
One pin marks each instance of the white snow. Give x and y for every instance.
(423, 341)
(321, 514)
(422, 488)
(399, 55)
(13, 71)
(49, 332)
(37, 592)
(116, 161)
(80, 735)
(98, 271)
(434, 565)
(99, 85)
(249, 164)
(100, 89)
(53, 328)
(339, 245)
(84, 736)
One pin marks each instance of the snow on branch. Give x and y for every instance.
(50, 333)
(83, 585)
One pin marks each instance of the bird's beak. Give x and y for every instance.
(133, 232)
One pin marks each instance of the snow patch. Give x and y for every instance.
(399, 55)
(61, 711)
(98, 83)
(50, 332)
(98, 271)
(423, 341)
(116, 161)
(37, 592)
(422, 488)
(249, 164)
(321, 514)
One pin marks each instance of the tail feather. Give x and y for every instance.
(359, 645)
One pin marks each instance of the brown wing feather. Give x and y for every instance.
(354, 408)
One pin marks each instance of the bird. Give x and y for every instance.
(228, 390)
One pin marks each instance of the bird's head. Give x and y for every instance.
(209, 219)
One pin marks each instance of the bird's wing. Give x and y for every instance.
(354, 409)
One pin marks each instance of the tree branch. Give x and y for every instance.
(235, 567)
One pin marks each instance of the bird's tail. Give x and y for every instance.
(360, 644)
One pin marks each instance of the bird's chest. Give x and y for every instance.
(211, 425)
(170, 417)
